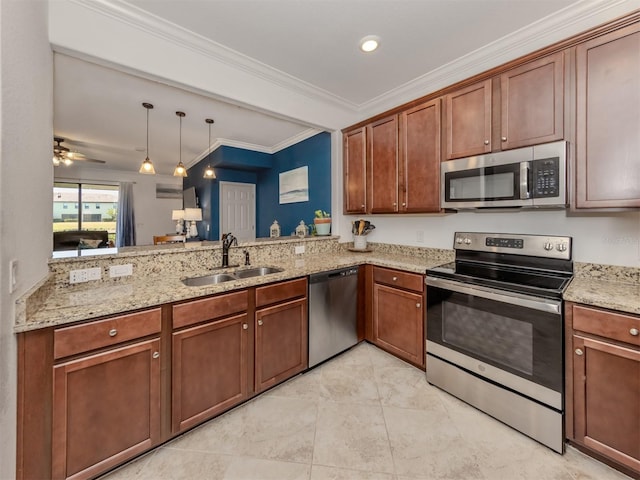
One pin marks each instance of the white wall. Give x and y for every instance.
(26, 103)
(153, 215)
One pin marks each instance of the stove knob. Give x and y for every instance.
(467, 241)
(548, 246)
(458, 240)
(561, 247)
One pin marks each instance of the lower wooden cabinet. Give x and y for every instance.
(106, 409)
(398, 314)
(603, 383)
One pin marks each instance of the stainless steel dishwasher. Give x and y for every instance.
(333, 301)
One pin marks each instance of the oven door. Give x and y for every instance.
(511, 339)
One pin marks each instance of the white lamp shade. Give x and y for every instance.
(193, 214)
(177, 214)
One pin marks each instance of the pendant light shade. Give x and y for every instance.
(147, 166)
(180, 170)
(208, 172)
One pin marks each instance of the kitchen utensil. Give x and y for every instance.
(361, 227)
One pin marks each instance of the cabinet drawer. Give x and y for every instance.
(396, 278)
(616, 326)
(103, 333)
(280, 292)
(209, 308)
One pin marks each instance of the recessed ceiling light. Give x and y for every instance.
(369, 43)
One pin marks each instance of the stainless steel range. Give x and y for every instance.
(495, 329)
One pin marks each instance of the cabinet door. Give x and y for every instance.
(209, 371)
(606, 382)
(532, 103)
(106, 409)
(355, 161)
(281, 343)
(383, 165)
(420, 158)
(468, 114)
(608, 120)
(398, 323)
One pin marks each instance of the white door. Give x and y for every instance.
(238, 210)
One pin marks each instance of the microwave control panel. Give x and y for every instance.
(546, 177)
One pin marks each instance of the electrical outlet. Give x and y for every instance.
(420, 236)
(121, 270)
(299, 249)
(85, 275)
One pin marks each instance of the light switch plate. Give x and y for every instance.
(85, 275)
(121, 270)
(299, 249)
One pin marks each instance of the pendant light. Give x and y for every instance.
(147, 166)
(180, 170)
(208, 172)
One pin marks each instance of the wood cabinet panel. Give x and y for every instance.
(279, 292)
(420, 155)
(103, 333)
(468, 121)
(211, 308)
(106, 409)
(355, 159)
(532, 103)
(209, 371)
(607, 140)
(281, 343)
(398, 323)
(617, 326)
(399, 279)
(382, 165)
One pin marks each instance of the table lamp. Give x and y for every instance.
(178, 215)
(192, 215)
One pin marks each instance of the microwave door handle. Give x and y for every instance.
(524, 181)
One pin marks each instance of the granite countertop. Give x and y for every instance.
(63, 306)
(605, 293)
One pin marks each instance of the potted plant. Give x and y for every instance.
(322, 222)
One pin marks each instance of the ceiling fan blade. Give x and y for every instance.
(91, 160)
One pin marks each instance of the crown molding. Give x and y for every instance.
(151, 24)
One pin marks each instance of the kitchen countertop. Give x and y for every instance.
(67, 305)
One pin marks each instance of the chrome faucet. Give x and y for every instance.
(227, 241)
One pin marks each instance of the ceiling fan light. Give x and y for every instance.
(209, 173)
(67, 161)
(147, 167)
(56, 161)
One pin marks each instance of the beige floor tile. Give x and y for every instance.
(131, 469)
(584, 467)
(169, 464)
(357, 355)
(352, 436)
(406, 388)
(380, 358)
(348, 384)
(320, 472)
(244, 468)
(304, 386)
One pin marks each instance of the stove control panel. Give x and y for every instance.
(518, 244)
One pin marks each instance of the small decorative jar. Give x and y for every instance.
(274, 230)
(301, 229)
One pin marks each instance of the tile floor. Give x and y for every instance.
(362, 415)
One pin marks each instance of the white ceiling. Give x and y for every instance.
(314, 43)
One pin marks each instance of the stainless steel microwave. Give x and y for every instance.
(523, 177)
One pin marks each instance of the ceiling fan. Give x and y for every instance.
(64, 156)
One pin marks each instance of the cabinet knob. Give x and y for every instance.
(404, 204)
(504, 139)
(260, 322)
(394, 204)
(578, 351)
(395, 279)
(156, 355)
(113, 332)
(245, 326)
(362, 206)
(486, 142)
(634, 332)
(418, 305)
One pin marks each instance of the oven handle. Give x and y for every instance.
(527, 301)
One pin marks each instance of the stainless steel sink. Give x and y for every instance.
(208, 280)
(256, 272)
(229, 277)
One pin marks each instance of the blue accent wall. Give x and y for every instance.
(263, 170)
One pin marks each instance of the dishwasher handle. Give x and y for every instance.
(332, 275)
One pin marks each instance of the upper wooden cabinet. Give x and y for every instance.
(532, 103)
(402, 163)
(530, 110)
(608, 120)
(468, 121)
(355, 157)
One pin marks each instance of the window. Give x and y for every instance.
(85, 197)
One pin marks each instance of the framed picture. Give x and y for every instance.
(167, 190)
(294, 185)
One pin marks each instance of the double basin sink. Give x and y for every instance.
(239, 274)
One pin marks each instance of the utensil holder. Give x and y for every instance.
(360, 242)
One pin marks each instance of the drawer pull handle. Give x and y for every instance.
(156, 355)
(417, 305)
(259, 322)
(245, 326)
(578, 351)
(634, 332)
(395, 279)
(113, 332)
